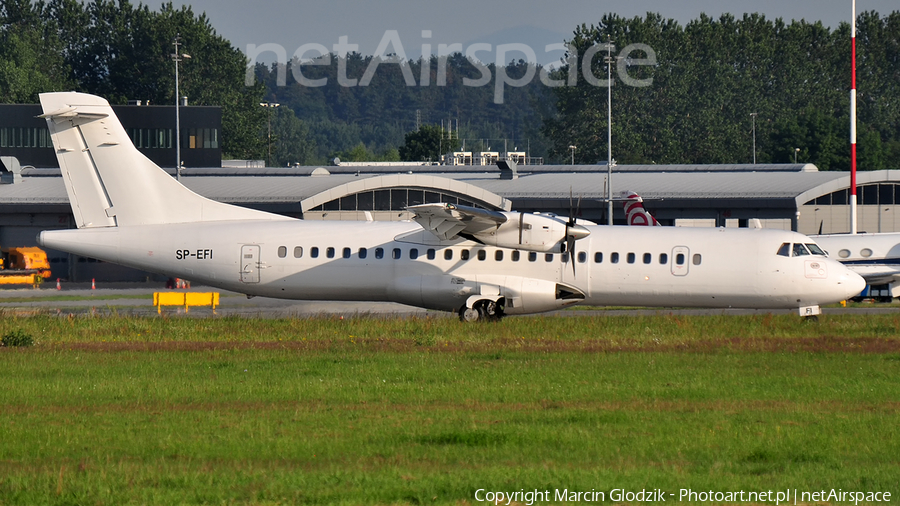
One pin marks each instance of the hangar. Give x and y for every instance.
(789, 196)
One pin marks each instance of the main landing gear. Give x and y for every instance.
(482, 310)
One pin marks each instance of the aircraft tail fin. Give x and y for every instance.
(635, 212)
(109, 182)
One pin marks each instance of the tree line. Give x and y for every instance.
(715, 78)
(711, 80)
(123, 52)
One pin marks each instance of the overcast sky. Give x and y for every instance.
(365, 22)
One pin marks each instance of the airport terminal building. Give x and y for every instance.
(792, 196)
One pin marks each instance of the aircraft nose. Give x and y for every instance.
(851, 283)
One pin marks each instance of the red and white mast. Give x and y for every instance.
(853, 122)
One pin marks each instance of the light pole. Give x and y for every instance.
(572, 147)
(753, 130)
(609, 59)
(796, 150)
(269, 106)
(177, 57)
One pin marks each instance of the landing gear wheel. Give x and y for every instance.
(468, 314)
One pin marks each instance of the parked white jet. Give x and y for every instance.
(482, 264)
(875, 257)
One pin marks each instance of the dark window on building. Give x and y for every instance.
(398, 198)
(869, 195)
(415, 197)
(348, 203)
(886, 194)
(365, 201)
(839, 198)
(382, 200)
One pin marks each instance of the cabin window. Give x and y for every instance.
(785, 250)
(413, 254)
(379, 253)
(663, 259)
(865, 252)
(614, 258)
(799, 250)
(816, 250)
(844, 253)
(582, 257)
(565, 256)
(516, 255)
(395, 254)
(598, 258)
(314, 252)
(482, 255)
(697, 259)
(679, 259)
(631, 258)
(498, 255)
(329, 252)
(532, 256)
(430, 253)
(464, 254)
(448, 254)
(298, 251)
(363, 252)
(346, 253)
(282, 251)
(648, 258)
(548, 257)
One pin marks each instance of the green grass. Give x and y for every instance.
(426, 411)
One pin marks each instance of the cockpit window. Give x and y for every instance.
(800, 250)
(785, 250)
(815, 249)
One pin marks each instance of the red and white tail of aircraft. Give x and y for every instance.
(634, 210)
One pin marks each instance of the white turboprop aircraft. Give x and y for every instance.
(482, 264)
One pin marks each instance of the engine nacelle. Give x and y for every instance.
(545, 233)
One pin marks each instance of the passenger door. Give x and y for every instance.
(250, 263)
(680, 260)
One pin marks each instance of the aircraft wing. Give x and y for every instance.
(447, 221)
(875, 274)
